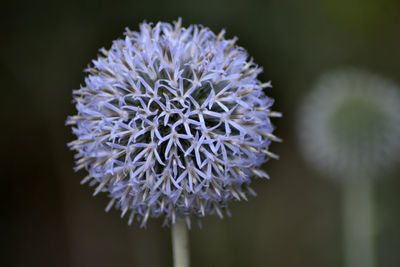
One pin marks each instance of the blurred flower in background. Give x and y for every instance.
(349, 124)
(349, 129)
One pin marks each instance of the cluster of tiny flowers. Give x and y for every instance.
(172, 122)
(349, 125)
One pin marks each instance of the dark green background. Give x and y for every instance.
(48, 219)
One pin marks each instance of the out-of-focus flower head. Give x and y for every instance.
(172, 122)
(349, 124)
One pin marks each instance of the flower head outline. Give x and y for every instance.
(172, 122)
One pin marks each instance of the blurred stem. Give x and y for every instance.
(358, 223)
(180, 244)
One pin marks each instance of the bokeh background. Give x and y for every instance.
(49, 219)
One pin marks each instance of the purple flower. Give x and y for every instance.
(172, 122)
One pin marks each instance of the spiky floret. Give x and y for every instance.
(172, 122)
(349, 124)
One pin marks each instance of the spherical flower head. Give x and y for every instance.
(349, 124)
(172, 122)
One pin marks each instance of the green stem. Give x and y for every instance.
(358, 223)
(180, 244)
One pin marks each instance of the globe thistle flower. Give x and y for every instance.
(349, 124)
(172, 122)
